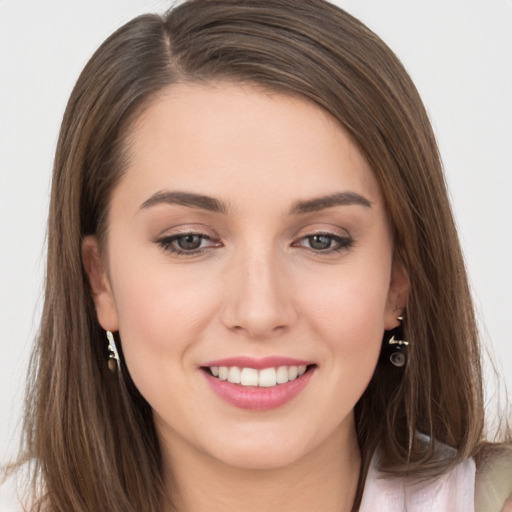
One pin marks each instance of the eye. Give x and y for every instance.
(320, 242)
(187, 244)
(325, 242)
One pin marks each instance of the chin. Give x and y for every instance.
(260, 458)
(260, 450)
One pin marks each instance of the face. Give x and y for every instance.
(249, 271)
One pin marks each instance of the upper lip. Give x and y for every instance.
(258, 363)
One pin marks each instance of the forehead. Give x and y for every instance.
(208, 138)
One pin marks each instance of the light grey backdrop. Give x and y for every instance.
(458, 53)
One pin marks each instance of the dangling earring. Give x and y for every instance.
(397, 357)
(113, 355)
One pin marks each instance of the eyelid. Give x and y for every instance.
(186, 228)
(325, 229)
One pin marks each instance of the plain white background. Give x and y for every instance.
(458, 53)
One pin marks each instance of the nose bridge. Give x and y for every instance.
(258, 302)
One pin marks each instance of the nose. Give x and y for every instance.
(259, 296)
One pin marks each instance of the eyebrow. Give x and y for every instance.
(186, 199)
(211, 204)
(329, 201)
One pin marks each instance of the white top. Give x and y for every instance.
(451, 492)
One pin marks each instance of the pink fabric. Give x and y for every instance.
(451, 492)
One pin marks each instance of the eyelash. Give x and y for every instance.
(344, 243)
(168, 243)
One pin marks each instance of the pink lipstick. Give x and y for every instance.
(258, 383)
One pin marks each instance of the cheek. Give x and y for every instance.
(348, 318)
(346, 312)
(162, 312)
(351, 303)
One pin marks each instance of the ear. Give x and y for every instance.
(99, 283)
(397, 294)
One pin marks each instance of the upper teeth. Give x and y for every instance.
(266, 377)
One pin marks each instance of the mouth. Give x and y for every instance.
(258, 384)
(263, 378)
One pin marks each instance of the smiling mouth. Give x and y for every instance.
(251, 377)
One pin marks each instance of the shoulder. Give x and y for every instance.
(452, 491)
(493, 489)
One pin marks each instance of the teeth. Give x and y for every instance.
(282, 375)
(248, 377)
(234, 375)
(268, 378)
(265, 378)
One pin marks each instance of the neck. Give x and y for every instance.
(325, 479)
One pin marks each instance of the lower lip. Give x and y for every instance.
(258, 398)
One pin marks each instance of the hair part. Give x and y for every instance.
(80, 419)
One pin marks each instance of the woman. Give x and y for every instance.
(255, 294)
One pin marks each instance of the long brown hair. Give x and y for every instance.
(90, 434)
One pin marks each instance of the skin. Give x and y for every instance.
(258, 288)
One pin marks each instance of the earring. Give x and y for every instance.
(397, 349)
(113, 354)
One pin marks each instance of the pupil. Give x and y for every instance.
(319, 242)
(189, 242)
